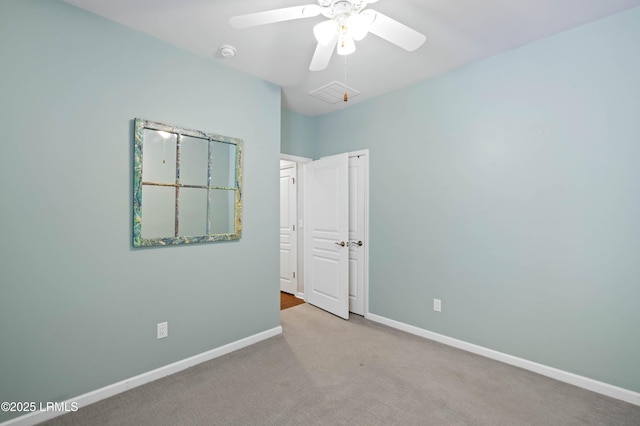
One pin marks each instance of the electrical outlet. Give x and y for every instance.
(163, 329)
(437, 305)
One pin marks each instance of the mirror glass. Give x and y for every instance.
(187, 186)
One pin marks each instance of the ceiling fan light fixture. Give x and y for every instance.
(348, 21)
(346, 45)
(358, 25)
(325, 31)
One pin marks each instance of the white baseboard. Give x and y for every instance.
(554, 373)
(116, 388)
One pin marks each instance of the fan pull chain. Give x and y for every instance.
(345, 97)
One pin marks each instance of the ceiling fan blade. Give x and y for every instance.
(395, 32)
(322, 55)
(276, 15)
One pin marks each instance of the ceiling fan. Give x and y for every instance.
(348, 21)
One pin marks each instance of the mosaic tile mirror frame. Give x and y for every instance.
(187, 186)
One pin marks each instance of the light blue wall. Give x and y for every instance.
(79, 305)
(510, 189)
(297, 134)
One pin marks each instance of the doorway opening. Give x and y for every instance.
(296, 179)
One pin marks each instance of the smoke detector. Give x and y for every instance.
(227, 51)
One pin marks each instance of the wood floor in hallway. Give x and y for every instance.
(289, 300)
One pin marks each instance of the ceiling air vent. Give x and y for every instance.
(334, 92)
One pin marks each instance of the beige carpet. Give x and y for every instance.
(327, 371)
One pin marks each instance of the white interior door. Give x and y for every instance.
(327, 232)
(357, 234)
(288, 240)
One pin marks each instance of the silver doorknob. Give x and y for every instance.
(341, 244)
(359, 243)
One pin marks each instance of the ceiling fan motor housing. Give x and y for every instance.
(335, 8)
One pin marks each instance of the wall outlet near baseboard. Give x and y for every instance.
(163, 329)
(437, 305)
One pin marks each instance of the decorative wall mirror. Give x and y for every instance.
(187, 186)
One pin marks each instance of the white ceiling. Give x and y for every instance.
(458, 32)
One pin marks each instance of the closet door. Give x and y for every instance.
(288, 237)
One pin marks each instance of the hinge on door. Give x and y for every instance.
(293, 227)
(294, 180)
(294, 275)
